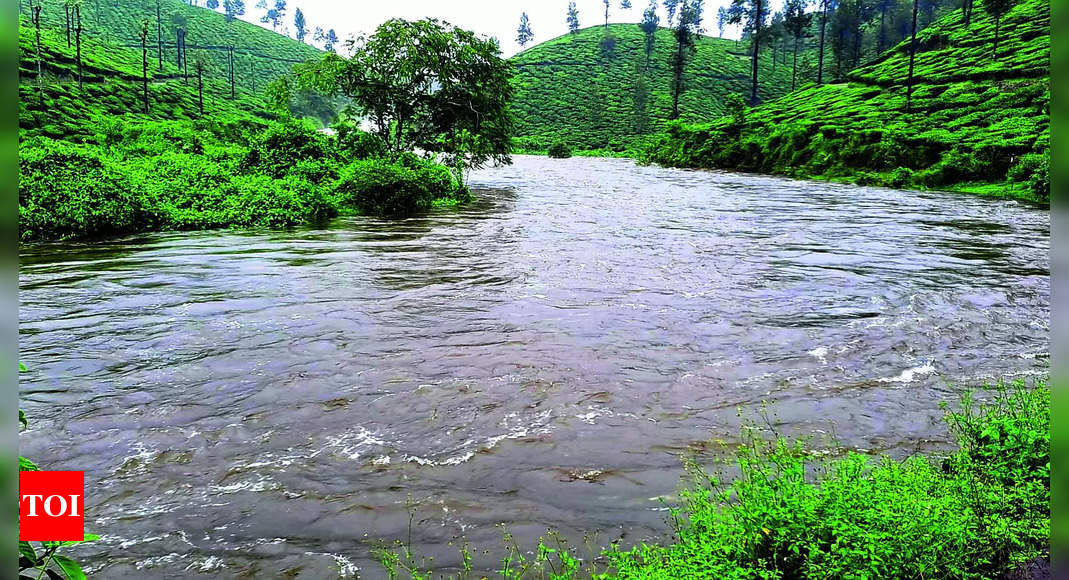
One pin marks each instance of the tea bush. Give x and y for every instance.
(392, 188)
(560, 150)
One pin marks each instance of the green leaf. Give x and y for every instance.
(70, 568)
(27, 465)
(22, 367)
(26, 550)
(22, 419)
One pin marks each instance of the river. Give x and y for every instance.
(249, 404)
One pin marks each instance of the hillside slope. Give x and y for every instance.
(55, 106)
(260, 55)
(568, 90)
(977, 123)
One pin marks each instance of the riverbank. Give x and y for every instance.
(780, 508)
(232, 172)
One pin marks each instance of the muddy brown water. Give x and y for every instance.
(253, 404)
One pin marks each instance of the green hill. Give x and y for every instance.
(568, 89)
(977, 123)
(260, 55)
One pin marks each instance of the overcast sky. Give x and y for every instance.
(498, 18)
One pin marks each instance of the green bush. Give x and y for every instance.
(379, 186)
(70, 191)
(355, 144)
(560, 151)
(283, 145)
(1033, 169)
(792, 514)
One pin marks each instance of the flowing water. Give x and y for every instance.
(249, 404)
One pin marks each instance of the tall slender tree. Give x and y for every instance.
(966, 11)
(997, 9)
(751, 14)
(797, 22)
(573, 18)
(143, 33)
(722, 18)
(78, 39)
(233, 9)
(300, 25)
(686, 31)
(912, 59)
(649, 24)
(159, 35)
(67, 12)
(35, 10)
(823, 34)
(524, 34)
(671, 7)
(608, 3)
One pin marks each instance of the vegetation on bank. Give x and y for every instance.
(793, 511)
(973, 123)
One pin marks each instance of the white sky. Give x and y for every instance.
(498, 18)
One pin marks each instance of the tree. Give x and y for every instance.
(233, 9)
(775, 33)
(997, 9)
(330, 40)
(649, 24)
(212, 4)
(573, 18)
(625, 4)
(672, 7)
(751, 14)
(721, 19)
(607, 4)
(425, 85)
(142, 33)
(199, 67)
(300, 25)
(883, 7)
(687, 28)
(35, 10)
(159, 36)
(912, 59)
(67, 5)
(797, 22)
(524, 35)
(825, 5)
(966, 11)
(78, 38)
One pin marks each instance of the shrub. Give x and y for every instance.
(560, 150)
(355, 144)
(1033, 169)
(394, 188)
(69, 191)
(283, 145)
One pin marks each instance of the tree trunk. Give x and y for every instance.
(857, 36)
(200, 87)
(37, 26)
(994, 52)
(78, 43)
(881, 40)
(159, 35)
(794, 71)
(756, 50)
(820, 59)
(677, 82)
(144, 71)
(912, 59)
(233, 92)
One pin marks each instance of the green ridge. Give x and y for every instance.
(567, 90)
(977, 124)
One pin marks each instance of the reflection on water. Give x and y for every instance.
(260, 403)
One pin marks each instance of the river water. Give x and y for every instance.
(252, 404)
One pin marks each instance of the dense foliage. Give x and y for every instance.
(426, 85)
(789, 510)
(974, 123)
(571, 89)
(182, 175)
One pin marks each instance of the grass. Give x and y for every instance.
(569, 90)
(976, 124)
(792, 510)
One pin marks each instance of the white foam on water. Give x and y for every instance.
(909, 375)
(820, 353)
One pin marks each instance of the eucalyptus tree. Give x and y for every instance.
(142, 33)
(78, 38)
(159, 35)
(608, 4)
(649, 24)
(797, 21)
(722, 18)
(425, 85)
(912, 60)
(233, 9)
(997, 9)
(573, 18)
(688, 25)
(751, 14)
(300, 25)
(524, 34)
(671, 7)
